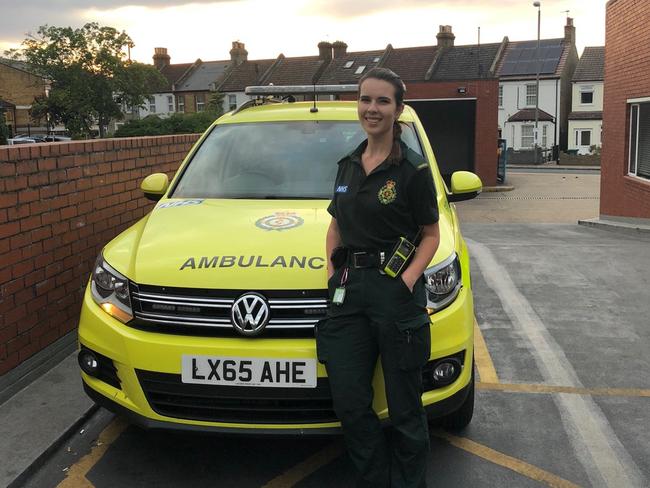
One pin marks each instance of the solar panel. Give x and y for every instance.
(523, 59)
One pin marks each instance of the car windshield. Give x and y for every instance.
(273, 160)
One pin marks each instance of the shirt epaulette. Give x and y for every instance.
(417, 161)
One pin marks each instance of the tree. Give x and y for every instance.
(4, 130)
(89, 74)
(215, 104)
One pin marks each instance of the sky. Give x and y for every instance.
(206, 28)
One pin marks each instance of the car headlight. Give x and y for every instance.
(110, 290)
(443, 283)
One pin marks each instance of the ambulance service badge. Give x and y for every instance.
(387, 193)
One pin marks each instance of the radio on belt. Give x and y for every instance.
(401, 254)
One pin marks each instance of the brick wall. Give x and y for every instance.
(627, 75)
(59, 204)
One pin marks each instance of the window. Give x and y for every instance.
(152, 105)
(348, 64)
(200, 102)
(375, 60)
(640, 140)
(500, 95)
(583, 137)
(360, 69)
(586, 95)
(181, 103)
(232, 102)
(170, 103)
(544, 136)
(527, 135)
(531, 95)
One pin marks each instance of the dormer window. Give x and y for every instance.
(586, 95)
(348, 64)
(360, 70)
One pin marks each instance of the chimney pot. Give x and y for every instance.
(160, 57)
(325, 50)
(445, 36)
(238, 53)
(339, 49)
(569, 31)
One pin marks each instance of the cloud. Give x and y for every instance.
(27, 16)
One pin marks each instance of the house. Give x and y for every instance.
(586, 117)
(517, 72)
(19, 86)
(452, 88)
(625, 158)
(239, 77)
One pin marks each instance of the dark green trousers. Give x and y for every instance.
(380, 318)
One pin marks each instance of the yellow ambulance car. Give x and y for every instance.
(201, 315)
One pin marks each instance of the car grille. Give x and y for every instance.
(169, 396)
(207, 312)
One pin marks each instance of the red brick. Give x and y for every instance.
(19, 212)
(13, 316)
(67, 187)
(41, 233)
(30, 223)
(8, 199)
(7, 333)
(52, 270)
(49, 191)
(22, 268)
(9, 229)
(65, 161)
(28, 351)
(44, 286)
(17, 343)
(57, 176)
(47, 164)
(26, 196)
(26, 167)
(16, 183)
(34, 277)
(38, 179)
(68, 212)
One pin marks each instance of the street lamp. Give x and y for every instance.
(539, 17)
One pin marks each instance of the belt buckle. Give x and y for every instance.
(355, 256)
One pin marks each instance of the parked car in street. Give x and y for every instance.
(201, 315)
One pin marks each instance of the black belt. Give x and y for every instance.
(359, 259)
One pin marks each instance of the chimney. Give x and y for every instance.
(569, 31)
(325, 50)
(445, 36)
(339, 49)
(160, 57)
(238, 53)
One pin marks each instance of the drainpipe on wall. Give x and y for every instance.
(556, 128)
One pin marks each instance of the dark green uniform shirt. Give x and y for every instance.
(393, 201)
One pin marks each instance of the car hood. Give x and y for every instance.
(233, 244)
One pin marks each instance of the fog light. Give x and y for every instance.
(88, 362)
(446, 372)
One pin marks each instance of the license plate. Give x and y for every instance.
(237, 371)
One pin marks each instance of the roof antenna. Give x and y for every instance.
(566, 12)
(314, 109)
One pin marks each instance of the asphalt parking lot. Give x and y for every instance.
(561, 349)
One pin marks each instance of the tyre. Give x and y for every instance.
(461, 418)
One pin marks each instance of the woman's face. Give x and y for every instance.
(377, 107)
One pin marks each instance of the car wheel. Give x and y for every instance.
(461, 418)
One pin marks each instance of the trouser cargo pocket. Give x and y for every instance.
(413, 342)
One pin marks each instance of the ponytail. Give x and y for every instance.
(395, 156)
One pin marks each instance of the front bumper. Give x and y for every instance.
(134, 351)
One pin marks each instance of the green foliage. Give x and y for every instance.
(215, 103)
(4, 130)
(89, 74)
(153, 125)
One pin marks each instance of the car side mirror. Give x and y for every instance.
(464, 186)
(154, 186)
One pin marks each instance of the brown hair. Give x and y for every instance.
(391, 77)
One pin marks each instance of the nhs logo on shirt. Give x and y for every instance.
(342, 189)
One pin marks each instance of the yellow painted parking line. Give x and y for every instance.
(536, 388)
(482, 357)
(76, 475)
(509, 462)
(310, 465)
